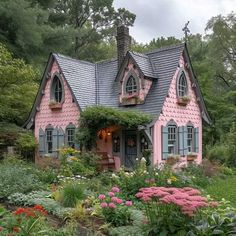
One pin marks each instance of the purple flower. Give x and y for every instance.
(115, 190)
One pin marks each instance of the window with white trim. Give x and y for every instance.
(48, 133)
(172, 139)
(70, 136)
(190, 141)
(131, 86)
(182, 85)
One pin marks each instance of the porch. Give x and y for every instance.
(122, 147)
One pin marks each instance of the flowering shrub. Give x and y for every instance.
(23, 221)
(114, 209)
(170, 209)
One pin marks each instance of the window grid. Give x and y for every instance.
(58, 90)
(171, 139)
(182, 86)
(49, 140)
(131, 85)
(71, 137)
(190, 138)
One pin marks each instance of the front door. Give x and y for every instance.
(130, 148)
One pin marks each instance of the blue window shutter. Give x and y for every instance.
(196, 140)
(181, 140)
(61, 138)
(185, 140)
(41, 141)
(164, 134)
(55, 142)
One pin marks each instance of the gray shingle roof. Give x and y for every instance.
(96, 84)
(144, 64)
(80, 76)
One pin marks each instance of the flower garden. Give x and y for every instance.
(77, 199)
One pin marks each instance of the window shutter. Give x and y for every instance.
(61, 138)
(41, 141)
(181, 140)
(55, 142)
(164, 135)
(185, 140)
(196, 140)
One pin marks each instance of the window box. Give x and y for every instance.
(183, 101)
(131, 100)
(191, 156)
(172, 159)
(55, 105)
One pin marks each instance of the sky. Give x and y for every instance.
(156, 18)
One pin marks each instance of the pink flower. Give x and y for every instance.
(112, 205)
(114, 199)
(111, 194)
(128, 203)
(214, 204)
(101, 197)
(115, 190)
(119, 201)
(103, 205)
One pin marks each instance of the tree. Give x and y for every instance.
(17, 88)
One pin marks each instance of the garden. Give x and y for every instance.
(77, 199)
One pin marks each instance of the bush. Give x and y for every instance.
(17, 177)
(71, 193)
(218, 153)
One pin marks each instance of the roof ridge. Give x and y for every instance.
(72, 59)
(166, 48)
(106, 60)
(139, 54)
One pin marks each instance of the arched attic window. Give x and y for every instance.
(182, 86)
(131, 86)
(57, 89)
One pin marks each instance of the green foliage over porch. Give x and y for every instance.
(96, 118)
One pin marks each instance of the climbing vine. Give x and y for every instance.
(96, 118)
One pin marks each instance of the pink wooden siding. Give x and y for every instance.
(144, 84)
(61, 118)
(180, 114)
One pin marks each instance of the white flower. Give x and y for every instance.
(114, 176)
(168, 181)
(156, 173)
(143, 159)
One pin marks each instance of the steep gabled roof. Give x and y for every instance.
(96, 84)
(80, 75)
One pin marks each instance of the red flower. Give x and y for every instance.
(16, 229)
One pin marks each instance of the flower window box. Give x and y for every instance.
(183, 101)
(132, 99)
(192, 156)
(172, 159)
(55, 105)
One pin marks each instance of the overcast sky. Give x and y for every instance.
(156, 18)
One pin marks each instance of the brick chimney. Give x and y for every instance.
(123, 43)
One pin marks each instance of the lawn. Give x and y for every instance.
(223, 188)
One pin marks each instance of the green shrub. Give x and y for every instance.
(218, 153)
(71, 193)
(17, 177)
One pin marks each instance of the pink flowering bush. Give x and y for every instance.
(171, 209)
(114, 209)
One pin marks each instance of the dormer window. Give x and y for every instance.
(131, 86)
(182, 86)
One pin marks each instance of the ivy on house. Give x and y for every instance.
(96, 118)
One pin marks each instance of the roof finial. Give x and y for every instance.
(186, 30)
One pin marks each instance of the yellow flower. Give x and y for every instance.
(173, 178)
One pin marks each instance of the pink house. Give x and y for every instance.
(160, 83)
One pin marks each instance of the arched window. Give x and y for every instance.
(182, 85)
(49, 141)
(57, 89)
(131, 85)
(70, 135)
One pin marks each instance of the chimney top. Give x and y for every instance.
(123, 43)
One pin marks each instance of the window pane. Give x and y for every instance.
(171, 139)
(131, 86)
(70, 137)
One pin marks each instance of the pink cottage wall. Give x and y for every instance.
(61, 118)
(180, 114)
